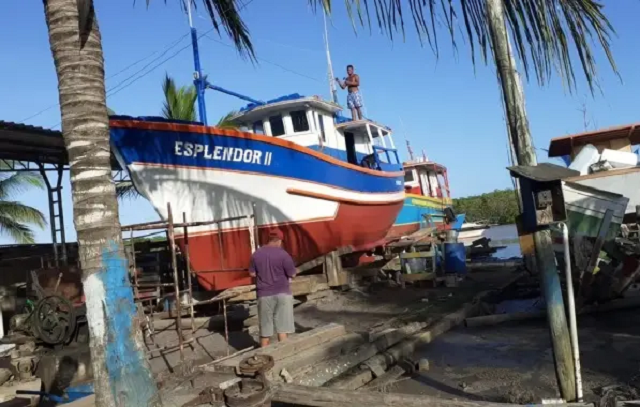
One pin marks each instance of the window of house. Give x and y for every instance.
(300, 122)
(277, 125)
(258, 127)
(408, 176)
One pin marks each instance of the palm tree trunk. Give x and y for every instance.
(525, 153)
(121, 373)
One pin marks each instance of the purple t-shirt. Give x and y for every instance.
(273, 268)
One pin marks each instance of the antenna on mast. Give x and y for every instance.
(406, 140)
(332, 85)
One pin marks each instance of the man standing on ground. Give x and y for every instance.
(354, 99)
(273, 269)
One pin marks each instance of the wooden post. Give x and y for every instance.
(518, 128)
(556, 316)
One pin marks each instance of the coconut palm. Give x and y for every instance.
(17, 219)
(542, 31)
(179, 103)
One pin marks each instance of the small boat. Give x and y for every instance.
(325, 183)
(427, 198)
(470, 231)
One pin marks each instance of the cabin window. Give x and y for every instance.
(258, 127)
(408, 176)
(277, 125)
(300, 122)
(320, 122)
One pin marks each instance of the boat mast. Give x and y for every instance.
(332, 84)
(199, 80)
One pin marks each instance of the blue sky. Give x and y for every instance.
(442, 105)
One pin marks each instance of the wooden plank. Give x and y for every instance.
(417, 255)
(326, 397)
(320, 260)
(294, 345)
(300, 363)
(323, 372)
(332, 266)
(387, 378)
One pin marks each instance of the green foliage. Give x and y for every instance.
(500, 206)
(17, 219)
(226, 123)
(179, 103)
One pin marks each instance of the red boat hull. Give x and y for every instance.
(221, 260)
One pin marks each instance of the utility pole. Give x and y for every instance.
(518, 127)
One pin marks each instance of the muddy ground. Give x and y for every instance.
(514, 363)
(502, 363)
(367, 308)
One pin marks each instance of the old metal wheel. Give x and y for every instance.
(54, 319)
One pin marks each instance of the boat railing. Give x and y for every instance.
(388, 153)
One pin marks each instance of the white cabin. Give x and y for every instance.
(314, 123)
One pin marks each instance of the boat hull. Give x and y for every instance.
(319, 203)
(413, 215)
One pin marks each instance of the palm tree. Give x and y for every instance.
(541, 30)
(16, 219)
(179, 103)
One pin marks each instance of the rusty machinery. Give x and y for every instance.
(252, 390)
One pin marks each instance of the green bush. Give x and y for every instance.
(499, 206)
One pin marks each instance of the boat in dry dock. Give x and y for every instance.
(427, 198)
(326, 182)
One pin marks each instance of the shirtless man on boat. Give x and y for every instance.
(354, 99)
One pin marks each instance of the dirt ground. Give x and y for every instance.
(514, 363)
(372, 308)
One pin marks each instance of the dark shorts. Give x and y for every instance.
(275, 314)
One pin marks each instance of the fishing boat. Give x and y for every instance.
(324, 182)
(622, 180)
(427, 198)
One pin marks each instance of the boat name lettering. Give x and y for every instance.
(220, 153)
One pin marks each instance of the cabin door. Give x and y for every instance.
(350, 145)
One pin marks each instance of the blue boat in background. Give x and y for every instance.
(427, 200)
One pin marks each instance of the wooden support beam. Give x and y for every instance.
(302, 362)
(326, 397)
(386, 379)
(556, 317)
(294, 345)
(301, 285)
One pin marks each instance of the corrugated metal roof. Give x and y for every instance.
(560, 146)
(23, 142)
(26, 128)
(542, 172)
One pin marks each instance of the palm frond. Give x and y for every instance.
(544, 31)
(15, 219)
(126, 190)
(18, 232)
(179, 103)
(22, 213)
(225, 121)
(226, 13)
(18, 182)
